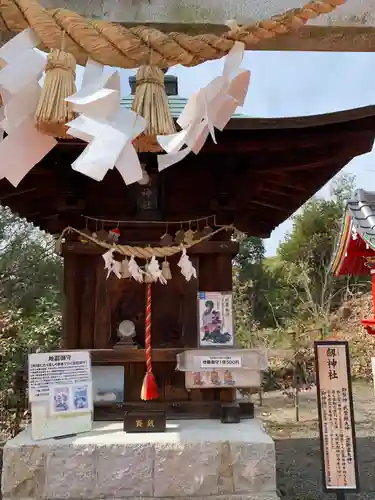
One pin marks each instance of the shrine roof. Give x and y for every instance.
(357, 236)
(176, 105)
(257, 175)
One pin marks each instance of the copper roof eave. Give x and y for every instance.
(272, 172)
(296, 122)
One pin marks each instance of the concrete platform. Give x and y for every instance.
(194, 459)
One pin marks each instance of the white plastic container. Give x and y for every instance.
(222, 368)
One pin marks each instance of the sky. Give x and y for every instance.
(295, 84)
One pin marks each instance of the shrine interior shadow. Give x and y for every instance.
(299, 469)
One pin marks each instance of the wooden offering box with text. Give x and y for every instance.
(147, 421)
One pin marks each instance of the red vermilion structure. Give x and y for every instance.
(355, 251)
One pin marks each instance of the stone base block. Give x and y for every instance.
(194, 459)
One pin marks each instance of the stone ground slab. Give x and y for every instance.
(193, 459)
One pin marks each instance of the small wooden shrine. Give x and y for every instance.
(256, 176)
(355, 251)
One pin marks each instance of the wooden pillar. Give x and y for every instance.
(71, 313)
(216, 276)
(102, 304)
(87, 310)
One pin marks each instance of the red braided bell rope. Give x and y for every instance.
(149, 387)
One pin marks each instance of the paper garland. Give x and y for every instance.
(211, 107)
(24, 146)
(108, 129)
(152, 272)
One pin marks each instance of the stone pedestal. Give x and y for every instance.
(194, 459)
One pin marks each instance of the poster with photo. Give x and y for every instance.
(215, 322)
(68, 399)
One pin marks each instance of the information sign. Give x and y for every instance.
(336, 418)
(220, 362)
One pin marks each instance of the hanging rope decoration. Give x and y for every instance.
(151, 102)
(117, 46)
(152, 271)
(149, 387)
(53, 112)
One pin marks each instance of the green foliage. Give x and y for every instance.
(30, 308)
(294, 291)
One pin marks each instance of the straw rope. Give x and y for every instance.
(53, 112)
(114, 45)
(144, 252)
(151, 102)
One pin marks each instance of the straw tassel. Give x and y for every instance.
(53, 112)
(149, 388)
(151, 102)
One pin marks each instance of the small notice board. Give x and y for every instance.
(336, 417)
(60, 393)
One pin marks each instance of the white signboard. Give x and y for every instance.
(63, 368)
(220, 362)
(60, 392)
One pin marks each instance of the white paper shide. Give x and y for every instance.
(209, 108)
(24, 145)
(108, 129)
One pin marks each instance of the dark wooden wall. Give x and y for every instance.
(94, 307)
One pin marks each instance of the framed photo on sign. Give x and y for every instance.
(215, 321)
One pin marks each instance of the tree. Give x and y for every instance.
(29, 269)
(307, 252)
(30, 308)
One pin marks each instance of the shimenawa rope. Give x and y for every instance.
(143, 252)
(115, 45)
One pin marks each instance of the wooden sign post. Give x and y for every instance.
(336, 417)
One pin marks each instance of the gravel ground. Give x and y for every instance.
(297, 444)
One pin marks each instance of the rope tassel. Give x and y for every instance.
(149, 388)
(151, 102)
(53, 111)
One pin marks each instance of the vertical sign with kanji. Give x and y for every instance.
(336, 418)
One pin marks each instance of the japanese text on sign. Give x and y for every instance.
(144, 423)
(49, 369)
(337, 427)
(221, 361)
